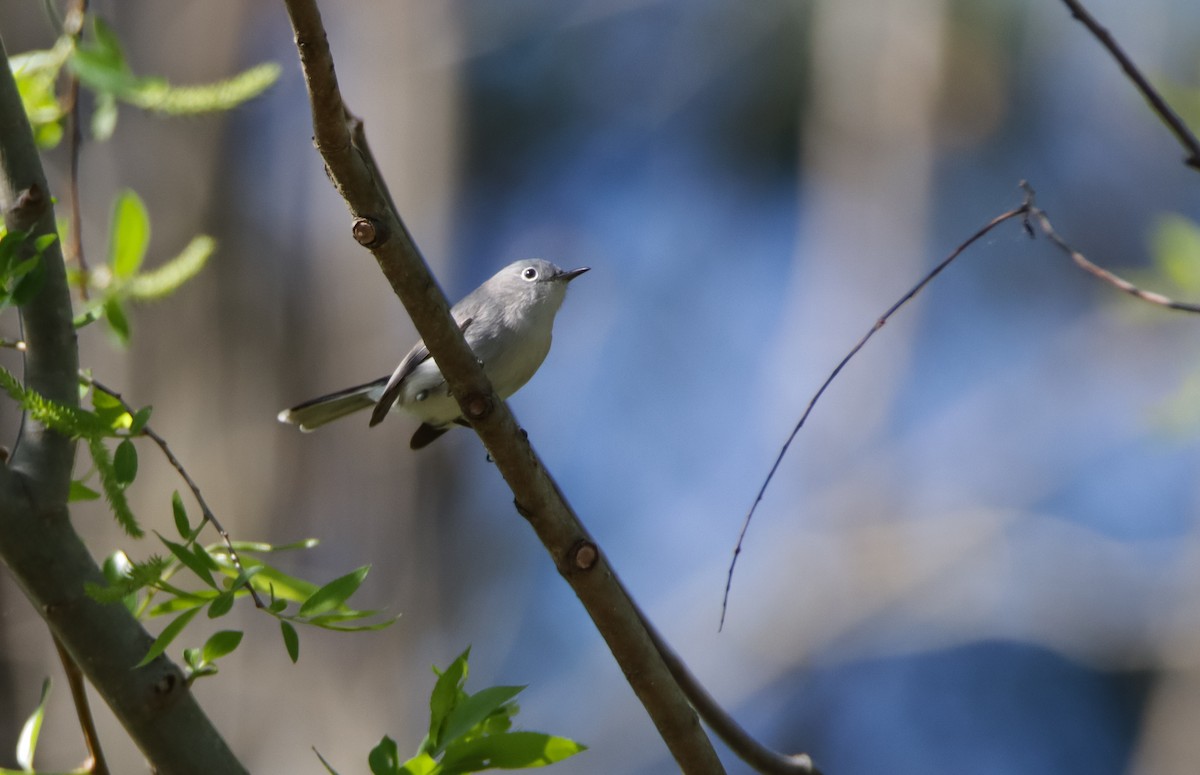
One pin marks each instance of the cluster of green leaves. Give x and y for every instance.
(109, 420)
(148, 589)
(120, 279)
(108, 428)
(139, 585)
(100, 64)
(470, 733)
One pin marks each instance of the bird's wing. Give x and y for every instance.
(391, 391)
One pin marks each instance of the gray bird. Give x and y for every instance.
(508, 322)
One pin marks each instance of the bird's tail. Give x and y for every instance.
(311, 415)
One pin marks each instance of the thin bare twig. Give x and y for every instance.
(1027, 211)
(209, 516)
(73, 26)
(1115, 281)
(1159, 105)
(95, 764)
(737, 550)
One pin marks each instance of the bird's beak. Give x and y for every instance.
(571, 274)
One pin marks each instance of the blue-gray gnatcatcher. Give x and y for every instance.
(507, 321)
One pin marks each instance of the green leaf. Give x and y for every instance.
(81, 492)
(125, 463)
(129, 234)
(287, 587)
(447, 692)
(116, 567)
(108, 409)
(47, 134)
(36, 74)
(196, 564)
(117, 322)
(86, 318)
(169, 633)
(107, 45)
(243, 578)
(104, 116)
(421, 764)
(221, 606)
(24, 267)
(33, 274)
(101, 66)
(474, 709)
(262, 548)
(166, 279)
(156, 94)
(137, 423)
(27, 742)
(508, 751)
(10, 246)
(384, 758)
(220, 644)
(201, 672)
(182, 525)
(500, 721)
(100, 63)
(326, 623)
(291, 641)
(41, 243)
(335, 593)
(177, 603)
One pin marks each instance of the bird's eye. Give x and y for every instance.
(529, 273)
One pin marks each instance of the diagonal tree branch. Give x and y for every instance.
(37, 542)
(1156, 101)
(378, 227)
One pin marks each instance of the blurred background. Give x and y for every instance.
(982, 553)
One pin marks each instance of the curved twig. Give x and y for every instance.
(1027, 211)
(737, 549)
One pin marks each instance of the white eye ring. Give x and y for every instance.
(529, 273)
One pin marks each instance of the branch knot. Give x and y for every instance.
(369, 232)
(477, 406)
